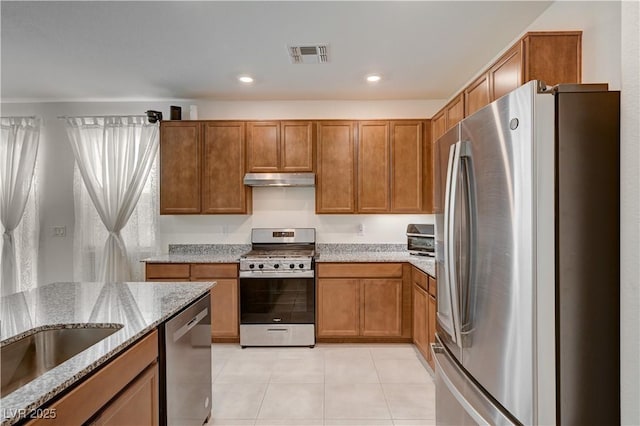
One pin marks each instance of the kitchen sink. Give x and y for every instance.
(33, 355)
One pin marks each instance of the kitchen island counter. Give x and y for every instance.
(137, 307)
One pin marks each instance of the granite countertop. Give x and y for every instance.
(334, 253)
(325, 252)
(137, 307)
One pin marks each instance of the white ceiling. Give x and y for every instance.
(195, 50)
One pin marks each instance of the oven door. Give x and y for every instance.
(277, 300)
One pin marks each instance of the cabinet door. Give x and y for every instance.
(381, 307)
(477, 95)
(263, 146)
(553, 57)
(420, 319)
(224, 157)
(296, 146)
(407, 166)
(506, 74)
(454, 111)
(335, 190)
(224, 308)
(136, 405)
(373, 167)
(431, 325)
(180, 167)
(338, 308)
(438, 125)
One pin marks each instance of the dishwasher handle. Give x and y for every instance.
(177, 335)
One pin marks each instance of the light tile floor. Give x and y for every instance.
(333, 385)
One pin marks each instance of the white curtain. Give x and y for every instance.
(18, 151)
(114, 156)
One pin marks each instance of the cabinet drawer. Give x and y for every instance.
(420, 278)
(214, 270)
(167, 270)
(359, 270)
(433, 287)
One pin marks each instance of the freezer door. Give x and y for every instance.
(498, 298)
(459, 401)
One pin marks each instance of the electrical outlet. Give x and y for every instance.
(361, 229)
(59, 231)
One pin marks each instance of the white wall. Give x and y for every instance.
(630, 214)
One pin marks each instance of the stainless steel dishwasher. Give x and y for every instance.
(185, 380)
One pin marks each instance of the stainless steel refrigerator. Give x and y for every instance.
(527, 258)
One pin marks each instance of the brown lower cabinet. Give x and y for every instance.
(424, 312)
(125, 391)
(363, 301)
(224, 296)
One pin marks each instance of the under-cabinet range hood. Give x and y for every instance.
(280, 179)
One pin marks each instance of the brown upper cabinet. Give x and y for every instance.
(180, 167)
(280, 146)
(553, 57)
(373, 167)
(336, 167)
(202, 164)
(389, 159)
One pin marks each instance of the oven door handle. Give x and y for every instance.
(277, 274)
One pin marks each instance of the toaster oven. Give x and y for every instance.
(421, 239)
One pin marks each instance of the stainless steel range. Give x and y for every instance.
(277, 288)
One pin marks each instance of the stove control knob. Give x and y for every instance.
(251, 266)
(261, 266)
(291, 266)
(276, 266)
(301, 265)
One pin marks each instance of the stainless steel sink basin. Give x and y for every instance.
(37, 353)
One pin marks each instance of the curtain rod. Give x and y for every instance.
(64, 117)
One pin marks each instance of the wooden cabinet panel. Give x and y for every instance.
(373, 167)
(224, 307)
(431, 325)
(86, 399)
(180, 167)
(477, 95)
(438, 125)
(217, 270)
(224, 159)
(454, 111)
(136, 405)
(553, 57)
(359, 270)
(166, 270)
(420, 321)
(263, 146)
(506, 74)
(433, 287)
(419, 278)
(408, 161)
(338, 307)
(381, 307)
(296, 146)
(335, 189)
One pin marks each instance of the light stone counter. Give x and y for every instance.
(329, 253)
(138, 307)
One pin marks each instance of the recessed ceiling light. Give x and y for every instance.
(374, 78)
(245, 79)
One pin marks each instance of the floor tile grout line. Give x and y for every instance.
(384, 394)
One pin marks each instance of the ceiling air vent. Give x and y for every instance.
(308, 54)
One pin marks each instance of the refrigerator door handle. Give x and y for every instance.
(467, 288)
(453, 170)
